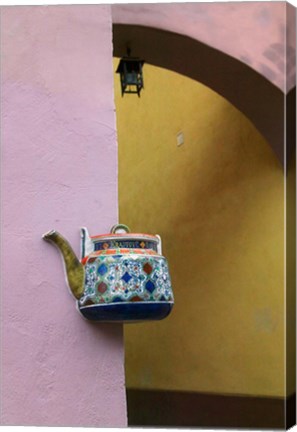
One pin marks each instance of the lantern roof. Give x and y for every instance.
(133, 61)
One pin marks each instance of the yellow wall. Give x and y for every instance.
(217, 202)
(291, 277)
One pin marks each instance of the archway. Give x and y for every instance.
(253, 94)
(249, 91)
(217, 202)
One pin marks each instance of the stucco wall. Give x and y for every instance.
(218, 203)
(59, 170)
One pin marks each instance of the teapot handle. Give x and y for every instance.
(117, 227)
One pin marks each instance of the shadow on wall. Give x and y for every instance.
(188, 410)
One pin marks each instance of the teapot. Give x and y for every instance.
(121, 276)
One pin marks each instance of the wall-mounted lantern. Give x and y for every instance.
(131, 76)
(121, 276)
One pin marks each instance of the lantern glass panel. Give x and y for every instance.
(131, 78)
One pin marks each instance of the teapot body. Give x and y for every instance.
(126, 278)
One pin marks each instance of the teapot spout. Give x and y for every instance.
(74, 268)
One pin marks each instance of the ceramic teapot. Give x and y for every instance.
(121, 277)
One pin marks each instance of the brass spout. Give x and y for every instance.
(74, 269)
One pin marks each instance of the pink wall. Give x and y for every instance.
(59, 170)
(252, 32)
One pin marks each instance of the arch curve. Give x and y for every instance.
(253, 94)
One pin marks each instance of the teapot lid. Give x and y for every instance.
(122, 231)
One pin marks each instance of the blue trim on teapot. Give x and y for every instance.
(127, 312)
(129, 244)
